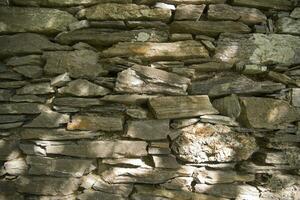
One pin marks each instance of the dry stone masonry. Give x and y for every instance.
(149, 99)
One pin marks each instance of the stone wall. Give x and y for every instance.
(147, 100)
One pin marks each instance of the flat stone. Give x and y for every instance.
(60, 80)
(227, 12)
(190, 106)
(147, 24)
(137, 113)
(288, 157)
(288, 25)
(268, 4)
(296, 97)
(79, 63)
(111, 11)
(132, 162)
(21, 108)
(295, 13)
(98, 37)
(210, 28)
(229, 106)
(266, 112)
(211, 67)
(9, 75)
(47, 185)
(9, 150)
(181, 123)
(143, 79)
(95, 122)
(46, 197)
(98, 149)
(12, 84)
(5, 95)
(36, 88)
(12, 118)
(76, 102)
(148, 129)
(26, 43)
(158, 51)
(95, 195)
(59, 167)
(218, 119)
(189, 11)
(35, 60)
(83, 88)
(255, 48)
(178, 2)
(26, 19)
(108, 24)
(165, 161)
(179, 183)
(28, 98)
(32, 149)
(11, 125)
(212, 143)
(30, 71)
(16, 167)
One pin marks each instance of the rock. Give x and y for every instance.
(295, 13)
(181, 106)
(165, 6)
(83, 88)
(132, 162)
(12, 118)
(76, 102)
(21, 108)
(178, 2)
(165, 161)
(30, 71)
(11, 125)
(158, 51)
(142, 79)
(227, 12)
(12, 84)
(31, 149)
(55, 134)
(148, 129)
(95, 195)
(296, 97)
(179, 183)
(79, 25)
(47, 185)
(189, 12)
(28, 98)
(210, 28)
(243, 191)
(159, 148)
(98, 37)
(11, 76)
(65, 197)
(255, 48)
(218, 119)
(111, 11)
(147, 24)
(213, 143)
(16, 167)
(288, 25)
(128, 99)
(137, 113)
(268, 4)
(9, 150)
(95, 122)
(98, 149)
(60, 80)
(229, 106)
(58, 167)
(36, 88)
(26, 43)
(266, 169)
(179, 37)
(33, 60)
(282, 78)
(266, 112)
(5, 95)
(288, 157)
(181, 123)
(79, 63)
(108, 24)
(26, 19)
(252, 69)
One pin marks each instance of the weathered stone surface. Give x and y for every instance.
(189, 12)
(181, 123)
(12, 118)
(27, 98)
(148, 129)
(59, 167)
(296, 97)
(216, 143)
(229, 106)
(137, 113)
(12, 84)
(55, 134)
(165, 161)
(97, 37)
(30, 71)
(95, 122)
(288, 157)
(266, 113)
(267, 4)
(11, 125)
(60, 197)
(76, 102)
(158, 51)
(21, 108)
(178, 2)
(143, 79)
(132, 162)
(79, 63)
(227, 12)
(26, 43)
(282, 78)
(288, 25)
(9, 75)
(40, 20)
(99, 149)
(95, 195)
(5, 95)
(16, 167)
(60, 80)
(32, 149)
(258, 49)
(181, 106)
(211, 67)
(47, 185)
(25, 60)
(125, 12)
(83, 88)
(211, 28)
(179, 183)
(9, 150)
(218, 119)
(296, 13)
(36, 88)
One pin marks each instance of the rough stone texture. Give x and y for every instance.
(21, 108)
(40, 20)
(268, 4)
(9, 150)
(189, 12)
(288, 25)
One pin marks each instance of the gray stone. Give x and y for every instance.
(36, 88)
(98, 149)
(282, 78)
(11, 125)
(83, 88)
(79, 25)
(59, 167)
(229, 106)
(213, 143)
(295, 13)
(158, 51)
(267, 4)
(60, 80)
(11, 76)
(28, 98)
(40, 20)
(288, 25)
(31, 149)
(255, 48)
(147, 24)
(178, 2)
(165, 161)
(210, 28)
(148, 129)
(9, 150)
(21, 108)
(108, 24)
(65, 197)
(179, 37)
(79, 63)
(143, 79)
(16, 167)
(211, 67)
(95, 195)
(181, 106)
(76, 102)
(296, 97)
(181, 123)
(189, 12)
(125, 12)
(179, 183)
(95, 122)
(128, 99)
(137, 113)
(218, 119)
(288, 157)
(25, 60)
(98, 37)
(164, 6)
(12, 84)
(132, 162)
(12, 118)
(266, 112)
(5, 95)
(47, 185)
(30, 71)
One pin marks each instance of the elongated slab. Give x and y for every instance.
(265, 4)
(181, 106)
(21, 108)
